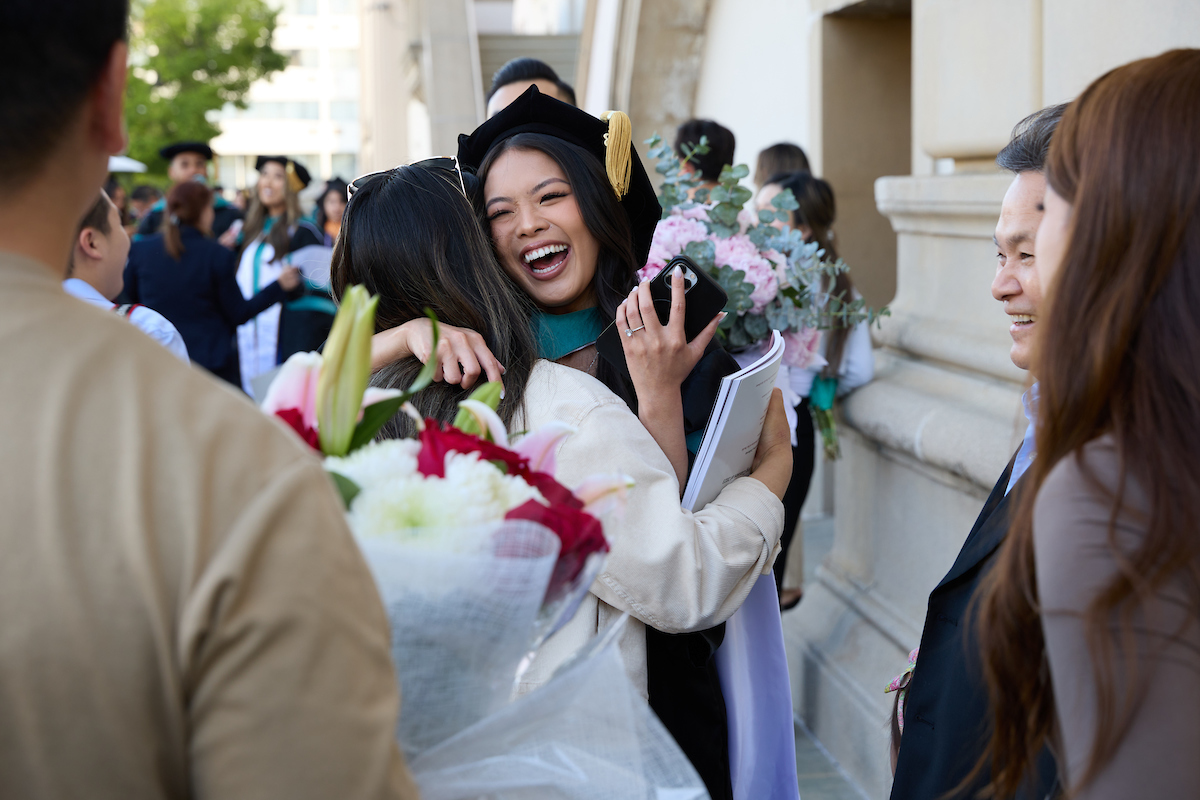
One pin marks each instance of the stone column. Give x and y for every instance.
(643, 58)
(384, 65)
(926, 440)
(450, 79)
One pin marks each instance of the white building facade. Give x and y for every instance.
(309, 111)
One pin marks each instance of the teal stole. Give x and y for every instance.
(559, 335)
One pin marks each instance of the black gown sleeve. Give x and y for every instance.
(150, 224)
(236, 308)
(306, 234)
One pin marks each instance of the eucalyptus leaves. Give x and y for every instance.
(774, 279)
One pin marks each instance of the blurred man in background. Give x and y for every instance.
(188, 161)
(514, 78)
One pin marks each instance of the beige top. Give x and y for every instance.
(1157, 757)
(674, 570)
(183, 612)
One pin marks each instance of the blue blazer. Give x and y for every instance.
(199, 295)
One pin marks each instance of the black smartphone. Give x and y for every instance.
(705, 299)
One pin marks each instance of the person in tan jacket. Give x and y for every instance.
(183, 612)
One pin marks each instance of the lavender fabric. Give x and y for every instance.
(752, 665)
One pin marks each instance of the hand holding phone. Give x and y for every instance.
(702, 299)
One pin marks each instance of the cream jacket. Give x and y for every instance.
(671, 569)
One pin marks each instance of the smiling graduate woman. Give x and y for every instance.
(568, 239)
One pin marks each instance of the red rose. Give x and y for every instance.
(295, 419)
(579, 532)
(437, 442)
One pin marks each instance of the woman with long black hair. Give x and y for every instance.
(571, 238)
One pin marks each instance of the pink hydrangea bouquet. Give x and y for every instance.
(775, 280)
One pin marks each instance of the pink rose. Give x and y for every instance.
(739, 253)
(802, 349)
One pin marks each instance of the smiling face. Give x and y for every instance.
(186, 167)
(538, 231)
(272, 186)
(1017, 282)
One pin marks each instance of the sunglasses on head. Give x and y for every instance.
(447, 163)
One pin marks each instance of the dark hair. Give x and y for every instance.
(185, 205)
(1029, 146)
(411, 238)
(721, 145)
(817, 211)
(51, 52)
(334, 184)
(1118, 356)
(777, 159)
(145, 193)
(616, 267)
(529, 69)
(96, 218)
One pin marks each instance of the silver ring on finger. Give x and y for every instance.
(632, 331)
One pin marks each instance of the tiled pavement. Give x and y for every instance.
(820, 777)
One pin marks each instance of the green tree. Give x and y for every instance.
(189, 58)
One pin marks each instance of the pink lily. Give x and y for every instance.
(541, 446)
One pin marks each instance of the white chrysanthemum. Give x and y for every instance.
(473, 493)
(377, 462)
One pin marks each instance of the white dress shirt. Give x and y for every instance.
(1028, 449)
(148, 320)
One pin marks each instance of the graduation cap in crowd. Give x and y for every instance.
(170, 151)
(608, 139)
(297, 175)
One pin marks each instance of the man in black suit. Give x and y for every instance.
(946, 717)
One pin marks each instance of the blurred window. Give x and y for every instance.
(343, 58)
(343, 110)
(311, 162)
(343, 6)
(345, 165)
(309, 58)
(268, 109)
(307, 7)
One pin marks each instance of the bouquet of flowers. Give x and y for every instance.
(774, 279)
(479, 555)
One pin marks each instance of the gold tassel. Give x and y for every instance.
(618, 150)
(294, 182)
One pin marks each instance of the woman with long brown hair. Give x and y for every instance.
(1090, 623)
(274, 229)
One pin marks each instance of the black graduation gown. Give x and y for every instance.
(681, 671)
(200, 296)
(946, 715)
(307, 316)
